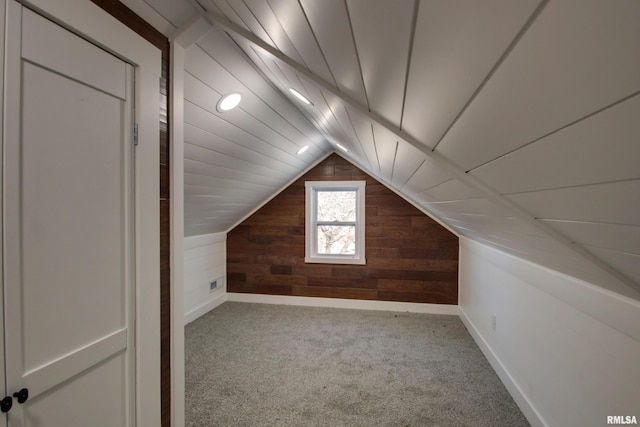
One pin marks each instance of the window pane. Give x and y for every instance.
(337, 239)
(337, 206)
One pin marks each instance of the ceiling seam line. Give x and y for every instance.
(436, 185)
(439, 202)
(414, 24)
(395, 157)
(475, 214)
(196, 5)
(575, 221)
(375, 148)
(566, 187)
(217, 189)
(238, 15)
(246, 174)
(315, 37)
(495, 67)
(355, 47)
(160, 14)
(609, 249)
(259, 24)
(366, 156)
(560, 129)
(213, 181)
(288, 82)
(276, 171)
(211, 210)
(236, 144)
(287, 36)
(247, 148)
(413, 173)
(344, 131)
(444, 202)
(244, 192)
(217, 181)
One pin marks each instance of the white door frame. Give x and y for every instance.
(183, 37)
(92, 23)
(3, 391)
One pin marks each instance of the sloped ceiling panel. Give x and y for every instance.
(235, 160)
(577, 58)
(513, 122)
(455, 48)
(580, 154)
(463, 94)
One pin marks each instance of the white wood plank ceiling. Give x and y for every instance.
(514, 122)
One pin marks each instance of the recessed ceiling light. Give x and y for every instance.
(342, 147)
(229, 101)
(300, 96)
(303, 149)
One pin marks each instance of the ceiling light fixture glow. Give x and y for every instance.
(342, 147)
(300, 96)
(303, 149)
(229, 101)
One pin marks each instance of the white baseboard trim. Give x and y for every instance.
(523, 402)
(345, 303)
(204, 308)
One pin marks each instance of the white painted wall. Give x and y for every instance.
(205, 260)
(568, 351)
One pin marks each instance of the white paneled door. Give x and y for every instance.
(68, 229)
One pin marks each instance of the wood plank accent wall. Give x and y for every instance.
(141, 27)
(410, 257)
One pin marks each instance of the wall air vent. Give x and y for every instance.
(216, 284)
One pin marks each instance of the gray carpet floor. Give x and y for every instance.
(271, 365)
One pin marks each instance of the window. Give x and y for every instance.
(335, 222)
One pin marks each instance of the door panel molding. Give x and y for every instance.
(40, 44)
(70, 183)
(45, 377)
(90, 22)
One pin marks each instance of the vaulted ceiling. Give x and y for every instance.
(515, 123)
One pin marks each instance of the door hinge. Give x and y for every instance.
(135, 134)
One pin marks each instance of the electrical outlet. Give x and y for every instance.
(493, 321)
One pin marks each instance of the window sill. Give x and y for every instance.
(335, 260)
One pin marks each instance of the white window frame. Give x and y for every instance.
(311, 238)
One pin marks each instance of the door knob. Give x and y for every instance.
(22, 395)
(6, 404)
